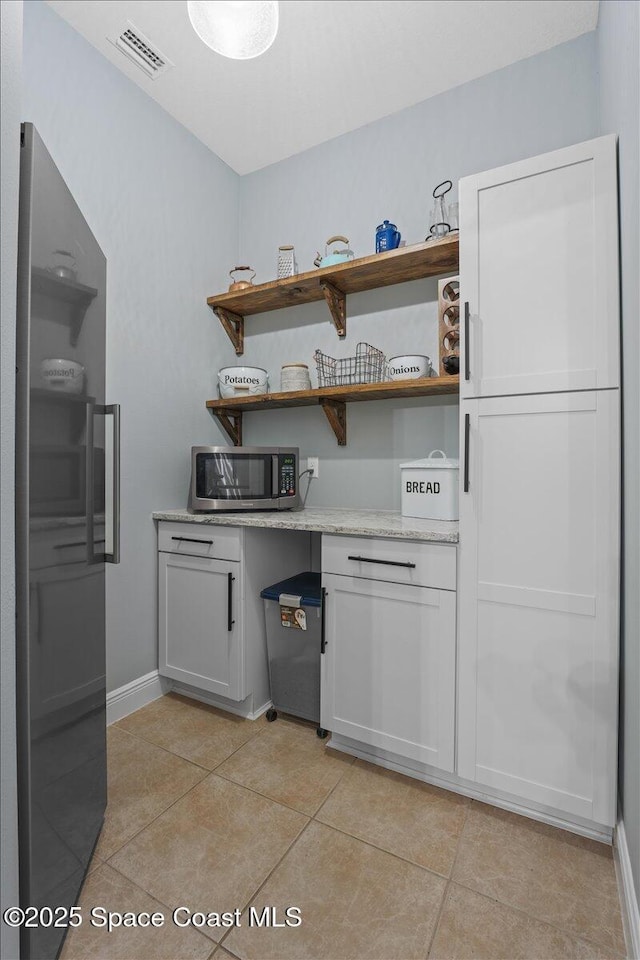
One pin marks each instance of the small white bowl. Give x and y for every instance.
(410, 366)
(64, 376)
(242, 382)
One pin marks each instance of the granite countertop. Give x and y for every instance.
(363, 523)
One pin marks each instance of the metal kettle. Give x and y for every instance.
(241, 284)
(336, 256)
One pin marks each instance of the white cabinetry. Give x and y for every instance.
(388, 670)
(539, 272)
(538, 601)
(211, 632)
(198, 622)
(539, 500)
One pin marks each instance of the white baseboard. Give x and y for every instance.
(132, 696)
(628, 895)
(244, 708)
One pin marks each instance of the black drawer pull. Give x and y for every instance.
(193, 540)
(387, 563)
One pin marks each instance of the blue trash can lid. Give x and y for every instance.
(303, 585)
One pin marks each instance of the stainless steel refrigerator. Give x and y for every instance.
(67, 515)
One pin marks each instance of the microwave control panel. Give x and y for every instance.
(287, 475)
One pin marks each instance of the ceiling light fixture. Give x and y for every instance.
(239, 29)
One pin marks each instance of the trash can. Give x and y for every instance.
(293, 615)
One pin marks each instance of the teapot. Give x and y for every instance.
(337, 256)
(387, 237)
(241, 284)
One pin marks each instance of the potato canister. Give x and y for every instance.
(430, 487)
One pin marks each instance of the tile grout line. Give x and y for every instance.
(390, 853)
(217, 943)
(347, 770)
(547, 923)
(330, 826)
(445, 894)
(266, 796)
(525, 913)
(208, 772)
(449, 881)
(151, 743)
(179, 756)
(269, 875)
(157, 817)
(157, 899)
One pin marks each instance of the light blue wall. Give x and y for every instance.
(619, 106)
(11, 76)
(165, 212)
(348, 185)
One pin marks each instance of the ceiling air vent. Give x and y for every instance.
(133, 43)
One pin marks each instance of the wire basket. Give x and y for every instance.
(368, 366)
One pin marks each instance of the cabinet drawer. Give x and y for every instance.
(199, 540)
(396, 561)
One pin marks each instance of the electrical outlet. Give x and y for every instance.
(313, 463)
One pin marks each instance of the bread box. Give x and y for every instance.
(430, 487)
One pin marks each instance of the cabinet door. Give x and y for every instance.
(388, 672)
(538, 587)
(198, 623)
(539, 272)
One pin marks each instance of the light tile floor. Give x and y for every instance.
(215, 813)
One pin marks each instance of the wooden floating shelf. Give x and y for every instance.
(332, 284)
(331, 399)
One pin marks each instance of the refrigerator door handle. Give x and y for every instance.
(467, 345)
(113, 409)
(89, 479)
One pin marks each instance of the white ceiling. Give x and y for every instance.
(335, 64)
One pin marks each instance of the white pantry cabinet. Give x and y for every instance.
(538, 611)
(388, 669)
(211, 630)
(539, 274)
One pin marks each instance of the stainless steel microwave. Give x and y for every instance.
(244, 478)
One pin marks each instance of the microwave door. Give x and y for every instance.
(227, 482)
(236, 477)
(219, 478)
(230, 484)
